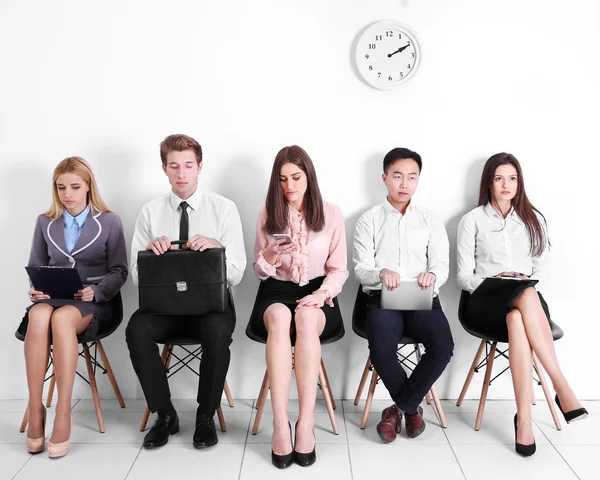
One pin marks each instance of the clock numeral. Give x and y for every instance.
(399, 35)
(370, 68)
(409, 42)
(390, 78)
(401, 74)
(408, 66)
(367, 56)
(372, 46)
(378, 38)
(412, 55)
(378, 74)
(389, 33)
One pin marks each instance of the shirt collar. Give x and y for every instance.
(193, 201)
(80, 219)
(389, 208)
(491, 212)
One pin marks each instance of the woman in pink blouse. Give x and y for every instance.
(301, 280)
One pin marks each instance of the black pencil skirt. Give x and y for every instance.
(277, 291)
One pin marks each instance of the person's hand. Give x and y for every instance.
(426, 280)
(315, 299)
(512, 275)
(85, 294)
(390, 279)
(201, 243)
(278, 247)
(160, 245)
(36, 296)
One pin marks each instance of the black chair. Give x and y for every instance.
(91, 362)
(359, 315)
(323, 379)
(491, 353)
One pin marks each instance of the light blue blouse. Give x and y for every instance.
(73, 226)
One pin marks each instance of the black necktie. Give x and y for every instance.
(183, 223)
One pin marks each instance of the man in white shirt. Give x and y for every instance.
(396, 240)
(205, 220)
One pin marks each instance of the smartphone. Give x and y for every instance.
(284, 236)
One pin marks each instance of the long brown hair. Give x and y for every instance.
(525, 210)
(80, 167)
(276, 204)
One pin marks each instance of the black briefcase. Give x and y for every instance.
(182, 282)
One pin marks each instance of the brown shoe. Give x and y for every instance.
(415, 425)
(390, 425)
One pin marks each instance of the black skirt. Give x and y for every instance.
(487, 314)
(277, 291)
(102, 315)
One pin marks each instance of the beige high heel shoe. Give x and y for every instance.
(36, 445)
(56, 450)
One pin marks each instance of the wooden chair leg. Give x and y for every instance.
(486, 384)
(328, 384)
(221, 419)
(228, 394)
(111, 376)
(262, 397)
(533, 399)
(438, 406)
(428, 398)
(51, 389)
(25, 419)
(363, 380)
(327, 395)
(372, 385)
(540, 372)
(463, 392)
(163, 357)
(93, 386)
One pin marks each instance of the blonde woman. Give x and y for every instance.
(80, 232)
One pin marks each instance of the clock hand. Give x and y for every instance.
(399, 50)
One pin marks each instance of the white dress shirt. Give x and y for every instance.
(488, 244)
(408, 244)
(210, 215)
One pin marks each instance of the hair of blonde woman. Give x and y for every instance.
(78, 166)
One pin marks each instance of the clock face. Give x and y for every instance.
(387, 55)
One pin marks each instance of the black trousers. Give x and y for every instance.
(213, 331)
(429, 327)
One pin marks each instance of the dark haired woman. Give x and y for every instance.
(506, 236)
(299, 279)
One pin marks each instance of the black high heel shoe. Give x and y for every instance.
(573, 415)
(283, 461)
(305, 459)
(523, 450)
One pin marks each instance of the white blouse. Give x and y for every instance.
(488, 244)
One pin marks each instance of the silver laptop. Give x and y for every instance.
(407, 296)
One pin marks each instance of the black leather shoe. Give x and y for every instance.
(523, 450)
(573, 415)
(305, 459)
(283, 461)
(205, 434)
(164, 426)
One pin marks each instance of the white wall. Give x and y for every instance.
(109, 80)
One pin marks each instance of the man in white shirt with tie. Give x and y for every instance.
(205, 220)
(393, 240)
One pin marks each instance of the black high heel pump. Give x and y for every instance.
(523, 450)
(283, 461)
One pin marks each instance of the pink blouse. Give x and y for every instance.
(320, 253)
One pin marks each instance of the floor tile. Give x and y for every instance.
(110, 405)
(9, 428)
(293, 406)
(470, 406)
(583, 459)
(582, 432)
(83, 461)
(501, 462)
(365, 458)
(332, 462)
(376, 405)
(185, 461)
(119, 426)
(592, 406)
(323, 430)
(14, 456)
(496, 429)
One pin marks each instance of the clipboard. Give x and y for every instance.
(496, 285)
(58, 282)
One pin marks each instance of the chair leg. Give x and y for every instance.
(328, 384)
(221, 420)
(262, 397)
(228, 394)
(327, 394)
(428, 398)
(163, 357)
(363, 380)
(533, 399)
(372, 385)
(93, 386)
(438, 406)
(111, 376)
(486, 384)
(540, 372)
(463, 392)
(51, 389)
(25, 419)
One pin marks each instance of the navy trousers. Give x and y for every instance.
(429, 327)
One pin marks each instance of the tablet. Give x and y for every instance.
(407, 296)
(58, 282)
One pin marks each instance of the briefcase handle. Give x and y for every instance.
(178, 242)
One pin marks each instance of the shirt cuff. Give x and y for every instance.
(269, 269)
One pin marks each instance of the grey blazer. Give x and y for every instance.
(100, 254)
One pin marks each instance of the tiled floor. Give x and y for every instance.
(457, 452)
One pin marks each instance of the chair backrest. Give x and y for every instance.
(117, 318)
(359, 314)
(250, 332)
(462, 306)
